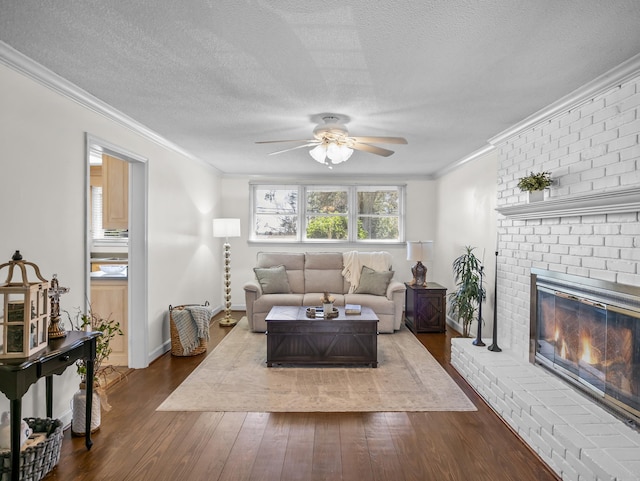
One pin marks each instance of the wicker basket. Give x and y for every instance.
(37, 460)
(176, 345)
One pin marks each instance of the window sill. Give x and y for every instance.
(255, 242)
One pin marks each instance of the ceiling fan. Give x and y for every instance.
(332, 143)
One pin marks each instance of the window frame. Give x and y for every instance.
(352, 212)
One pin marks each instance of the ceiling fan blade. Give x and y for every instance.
(381, 140)
(372, 149)
(277, 141)
(310, 144)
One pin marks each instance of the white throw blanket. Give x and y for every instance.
(354, 260)
(192, 324)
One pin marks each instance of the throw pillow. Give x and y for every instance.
(373, 282)
(273, 280)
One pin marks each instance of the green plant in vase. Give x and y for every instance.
(109, 328)
(533, 182)
(468, 293)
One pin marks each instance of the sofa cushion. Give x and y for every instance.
(380, 304)
(323, 272)
(273, 280)
(373, 282)
(264, 303)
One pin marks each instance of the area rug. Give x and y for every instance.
(234, 377)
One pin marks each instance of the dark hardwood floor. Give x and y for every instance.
(137, 443)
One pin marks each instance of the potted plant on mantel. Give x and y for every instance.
(109, 329)
(535, 184)
(468, 293)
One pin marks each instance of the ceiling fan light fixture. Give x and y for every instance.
(332, 145)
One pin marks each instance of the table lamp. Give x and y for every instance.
(419, 251)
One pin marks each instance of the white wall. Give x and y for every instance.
(466, 202)
(420, 220)
(42, 194)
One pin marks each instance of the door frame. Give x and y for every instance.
(138, 342)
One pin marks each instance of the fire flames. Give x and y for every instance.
(586, 351)
(564, 350)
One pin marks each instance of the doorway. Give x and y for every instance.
(134, 247)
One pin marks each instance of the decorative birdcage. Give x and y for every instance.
(24, 311)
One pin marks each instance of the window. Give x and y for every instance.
(323, 213)
(327, 213)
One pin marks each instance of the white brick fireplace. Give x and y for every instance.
(588, 226)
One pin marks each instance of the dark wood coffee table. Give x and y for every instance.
(293, 338)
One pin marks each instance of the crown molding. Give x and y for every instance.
(28, 67)
(469, 158)
(616, 76)
(613, 202)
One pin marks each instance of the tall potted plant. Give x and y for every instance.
(468, 293)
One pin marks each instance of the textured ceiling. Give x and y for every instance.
(215, 76)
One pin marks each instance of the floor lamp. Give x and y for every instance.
(227, 228)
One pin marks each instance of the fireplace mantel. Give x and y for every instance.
(612, 202)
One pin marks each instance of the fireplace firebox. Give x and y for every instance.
(588, 332)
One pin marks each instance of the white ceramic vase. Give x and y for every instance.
(536, 195)
(79, 408)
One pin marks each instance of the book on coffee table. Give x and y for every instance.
(352, 309)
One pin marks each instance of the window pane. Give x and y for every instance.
(276, 213)
(378, 202)
(380, 228)
(327, 201)
(276, 201)
(276, 226)
(327, 227)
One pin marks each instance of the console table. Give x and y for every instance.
(17, 375)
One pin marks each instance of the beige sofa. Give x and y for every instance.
(299, 279)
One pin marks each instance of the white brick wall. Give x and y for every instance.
(593, 147)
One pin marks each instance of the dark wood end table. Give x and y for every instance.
(425, 308)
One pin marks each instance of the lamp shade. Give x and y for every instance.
(226, 227)
(419, 250)
(336, 153)
(319, 153)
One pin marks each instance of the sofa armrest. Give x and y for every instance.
(252, 291)
(396, 293)
(395, 286)
(253, 286)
